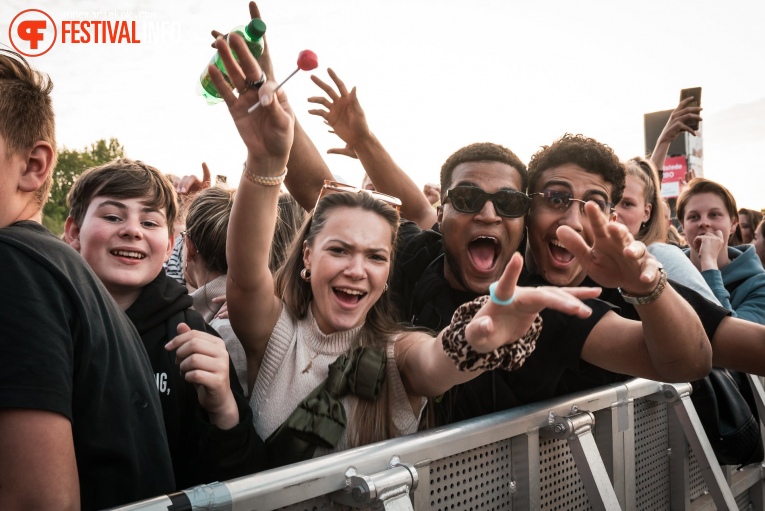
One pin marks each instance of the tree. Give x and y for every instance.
(71, 163)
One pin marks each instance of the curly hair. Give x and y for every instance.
(481, 152)
(588, 153)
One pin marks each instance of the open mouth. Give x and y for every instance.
(348, 296)
(559, 252)
(484, 252)
(128, 254)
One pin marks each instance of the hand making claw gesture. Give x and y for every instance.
(512, 309)
(343, 113)
(268, 131)
(615, 258)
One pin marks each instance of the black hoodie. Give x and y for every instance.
(201, 453)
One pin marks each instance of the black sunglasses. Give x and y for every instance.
(561, 201)
(471, 199)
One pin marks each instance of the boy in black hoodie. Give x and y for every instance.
(121, 222)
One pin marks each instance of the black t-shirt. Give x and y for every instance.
(588, 376)
(67, 348)
(426, 299)
(555, 368)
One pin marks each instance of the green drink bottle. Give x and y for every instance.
(252, 34)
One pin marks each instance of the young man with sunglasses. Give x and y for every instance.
(479, 227)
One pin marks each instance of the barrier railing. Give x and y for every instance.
(632, 446)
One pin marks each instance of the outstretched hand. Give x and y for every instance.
(679, 119)
(343, 113)
(495, 325)
(615, 258)
(204, 362)
(268, 131)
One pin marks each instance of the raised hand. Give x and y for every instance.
(615, 258)
(495, 325)
(267, 132)
(679, 119)
(204, 362)
(191, 185)
(343, 112)
(344, 151)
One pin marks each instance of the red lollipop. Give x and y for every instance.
(307, 60)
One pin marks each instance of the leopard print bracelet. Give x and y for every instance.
(508, 356)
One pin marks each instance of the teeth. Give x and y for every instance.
(125, 253)
(557, 244)
(350, 291)
(492, 238)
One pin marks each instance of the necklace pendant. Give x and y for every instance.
(308, 367)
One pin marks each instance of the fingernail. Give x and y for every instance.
(265, 100)
(168, 345)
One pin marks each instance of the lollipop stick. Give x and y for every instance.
(256, 105)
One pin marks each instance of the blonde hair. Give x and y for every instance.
(655, 228)
(207, 223)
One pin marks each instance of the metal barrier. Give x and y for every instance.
(632, 446)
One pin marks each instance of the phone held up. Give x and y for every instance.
(694, 92)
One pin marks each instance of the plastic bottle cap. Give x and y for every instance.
(255, 28)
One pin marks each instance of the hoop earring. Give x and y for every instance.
(305, 274)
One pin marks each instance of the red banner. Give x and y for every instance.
(675, 169)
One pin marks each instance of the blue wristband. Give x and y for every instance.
(494, 299)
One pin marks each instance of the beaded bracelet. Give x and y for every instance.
(264, 180)
(509, 356)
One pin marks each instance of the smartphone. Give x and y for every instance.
(696, 93)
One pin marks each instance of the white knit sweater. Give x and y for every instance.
(283, 380)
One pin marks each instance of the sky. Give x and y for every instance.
(431, 75)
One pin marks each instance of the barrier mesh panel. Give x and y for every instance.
(478, 479)
(744, 501)
(697, 485)
(318, 504)
(560, 486)
(651, 459)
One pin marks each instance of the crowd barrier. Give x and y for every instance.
(632, 446)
